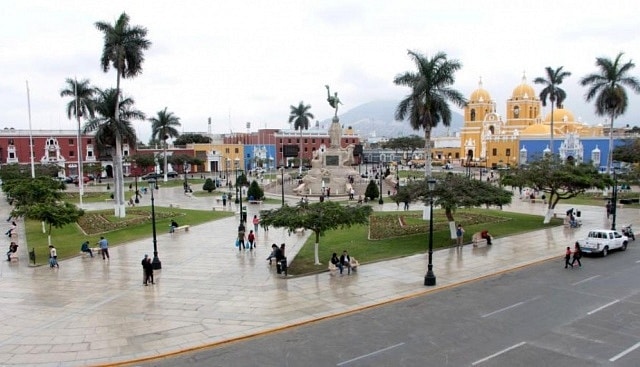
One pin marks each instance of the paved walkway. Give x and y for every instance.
(95, 312)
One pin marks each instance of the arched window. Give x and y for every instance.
(473, 114)
(516, 112)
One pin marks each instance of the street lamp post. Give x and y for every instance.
(430, 277)
(380, 201)
(614, 206)
(186, 184)
(156, 261)
(137, 200)
(282, 183)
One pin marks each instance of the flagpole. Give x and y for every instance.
(33, 169)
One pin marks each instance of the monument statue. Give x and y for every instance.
(334, 101)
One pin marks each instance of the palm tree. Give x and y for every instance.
(163, 127)
(300, 116)
(427, 103)
(123, 49)
(552, 92)
(80, 106)
(112, 129)
(608, 87)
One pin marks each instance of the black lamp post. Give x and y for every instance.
(186, 184)
(282, 182)
(137, 200)
(614, 207)
(380, 201)
(156, 261)
(430, 277)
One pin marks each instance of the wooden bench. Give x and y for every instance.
(533, 201)
(476, 238)
(182, 228)
(14, 257)
(299, 230)
(174, 206)
(333, 269)
(94, 250)
(109, 200)
(255, 201)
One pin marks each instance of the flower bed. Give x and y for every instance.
(93, 223)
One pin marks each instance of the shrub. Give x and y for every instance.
(372, 191)
(255, 191)
(209, 185)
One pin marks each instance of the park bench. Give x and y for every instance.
(533, 201)
(109, 200)
(333, 269)
(299, 230)
(182, 228)
(94, 250)
(476, 238)
(14, 257)
(174, 206)
(255, 201)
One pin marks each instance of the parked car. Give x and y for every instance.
(601, 241)
(152, 176)
(172, 174)
(85, 179)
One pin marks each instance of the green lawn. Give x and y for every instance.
(356, 239)
(137, 225)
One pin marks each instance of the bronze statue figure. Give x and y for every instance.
(334, 101)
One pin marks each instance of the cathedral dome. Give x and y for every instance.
(523, 91)
(536, 129)
(480, 95)
(560, 115)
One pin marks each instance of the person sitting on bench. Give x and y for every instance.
(173, 226)
(13, 248)
(85, 248)
(485, 235)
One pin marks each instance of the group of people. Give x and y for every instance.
(250, 242)
(577, 255)
(277, 253)
(103, 244)
(344, 261)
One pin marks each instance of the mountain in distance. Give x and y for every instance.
(376, 119)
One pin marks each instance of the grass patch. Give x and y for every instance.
(137, 225)
(394, 241)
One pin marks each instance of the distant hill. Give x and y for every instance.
(376, 118)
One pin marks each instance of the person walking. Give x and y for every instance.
(240, 241)
(459, 235)
(53, 257)
(224, 200)
(11, 229)
(104, 248)
(147, 270)
(251, 238)
(567, 258)
(577, 254)
(608, 207)
(256, 223)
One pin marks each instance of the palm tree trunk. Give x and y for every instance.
(119, 210)
(427, 152)
(165, 162)
(551, 139)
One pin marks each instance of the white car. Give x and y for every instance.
(601, 241)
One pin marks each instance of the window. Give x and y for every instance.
(226, 150)
(11, 142)
(494, 151)
(71, 142)
(237, 151)
(473, 114)
(71, 153)
(88, 141)
(313, 141)
(508, 152)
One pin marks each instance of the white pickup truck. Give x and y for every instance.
(601, 241)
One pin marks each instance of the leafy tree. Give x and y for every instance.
(16, 171)
(111, 130)
(427, 103)
(557, 179)
(27, 191)
(185, 139)
(163, 127)
(123, 49)
(317, 217)
(372, 191)
(144, 161)
(209, 185)
(180, 160)
(628, 152)
(94, 169)
(255, 191)
(300, 116)
(405, 144)
(552, 92)
(607, 86)
(54, 214)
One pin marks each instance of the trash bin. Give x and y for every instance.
(244, 213)
(578, 213)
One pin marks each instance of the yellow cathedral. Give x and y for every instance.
(490, 140)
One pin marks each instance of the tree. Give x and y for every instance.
(143, 161)
(405, 144)
(209, 185)
(557, 179)
(123, 49)
(255, 191)
(111, 130)
(163, 127)
(628, 152)
(372, 191)
(552, 92)
(300, 116)
(185, 139)
(54, 214)
(607, 86)
(27, 192)
(317, 217)
(94, 169)
(427, 103)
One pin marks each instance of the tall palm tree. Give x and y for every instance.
(427, 103)
(300, 116)
(607, 85)
(123, 49)
(112, 129)
(552, 92)
(80, 106)
(163, 127)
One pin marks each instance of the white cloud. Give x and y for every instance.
(249, 60)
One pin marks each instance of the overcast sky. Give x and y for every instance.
(248, 61)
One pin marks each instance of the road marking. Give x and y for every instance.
(370, 354)
(625, 352)
(586, 280)
(603, 307)
(510, 307)
(498, 353)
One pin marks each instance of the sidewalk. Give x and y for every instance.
(93, 312)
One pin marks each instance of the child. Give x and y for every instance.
(567, 257)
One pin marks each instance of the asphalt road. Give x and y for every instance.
(544, 315)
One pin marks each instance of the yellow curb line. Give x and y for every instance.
(322, 318)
